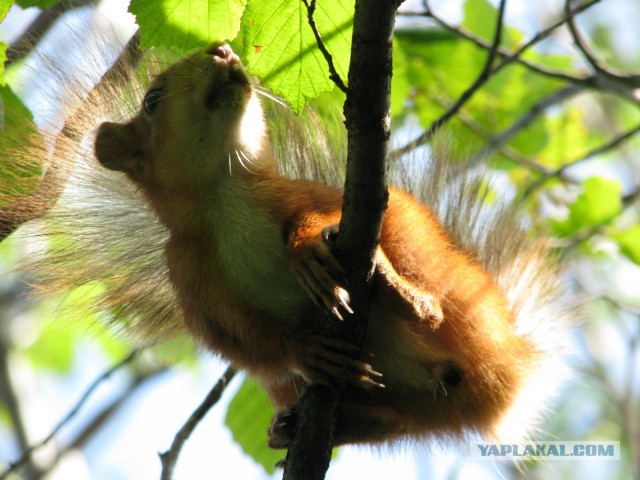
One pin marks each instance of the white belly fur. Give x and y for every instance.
(253, 254)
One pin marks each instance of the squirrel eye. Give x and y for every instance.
(151, 100)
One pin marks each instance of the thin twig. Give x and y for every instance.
(535, 111)
(103, 417)
(334, 75)
(505, 150)
(605, 79)
(170, 457)
(506, 53)
(69, 416)
(586, 51)
(610, 145)
(485, 75)
(592, 81)
(9, 397)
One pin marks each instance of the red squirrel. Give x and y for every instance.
(249, 257)
(466, 316)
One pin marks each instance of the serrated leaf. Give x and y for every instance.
(629, 241)
(248, 417)
(186, 24)
(599, 202)
(280, 48)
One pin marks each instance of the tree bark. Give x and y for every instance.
(368, 125)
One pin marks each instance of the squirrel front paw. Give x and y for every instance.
(321, 275)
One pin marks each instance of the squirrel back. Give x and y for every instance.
(190, 224)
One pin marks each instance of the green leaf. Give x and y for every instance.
(5, 5)
(53, 350)
(571, 138)
(480, 18)
(400, 85)
(186, 24)
(599, 202)
(3, 59)
(439, 67)
(629, 242)
(248, 417)
(20, 169)
(281, 49)
(41, 4)
(5, 417)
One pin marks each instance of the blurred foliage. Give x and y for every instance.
(247, 414)
(573, 164)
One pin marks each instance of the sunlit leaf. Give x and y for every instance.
(571, 138)
(282, 51)
(400, 85)
(186, 24)
(598, 203)
(53, 350)
(629, 241)
(480, 18)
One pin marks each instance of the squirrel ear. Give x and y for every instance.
(117, 147)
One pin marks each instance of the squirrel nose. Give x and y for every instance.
(222, 51)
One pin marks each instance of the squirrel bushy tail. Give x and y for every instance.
(485, 220)
(90, 227)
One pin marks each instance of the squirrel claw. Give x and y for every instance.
(328, 361)
(281, 429)
(322, 276)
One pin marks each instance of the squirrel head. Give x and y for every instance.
(198, 118)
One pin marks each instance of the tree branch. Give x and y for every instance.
(610, 145)
(334, 76)
(170, 457)
(9, 396)
(524, 121)
(484, 76)
(29, 207)
(72, 413)
(103, 417)
(618, 84)
(506, 53)
(367, 119)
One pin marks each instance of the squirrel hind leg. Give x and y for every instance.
(402, 297)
